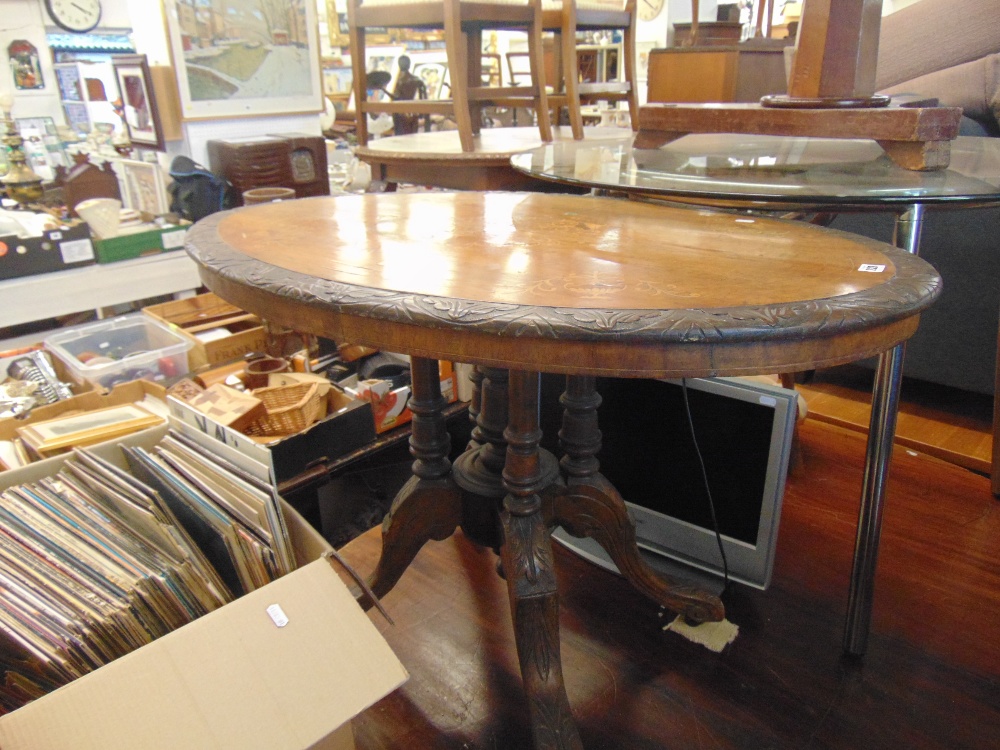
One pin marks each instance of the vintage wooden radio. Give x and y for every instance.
(292, 160)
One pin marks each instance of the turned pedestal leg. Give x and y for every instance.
(475, 407)
(479, 470)
(589, 506)
(527, 562)
(429, 505)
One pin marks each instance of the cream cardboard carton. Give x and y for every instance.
(283, 668)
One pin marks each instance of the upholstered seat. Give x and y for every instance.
(463, 22)
(566, 18)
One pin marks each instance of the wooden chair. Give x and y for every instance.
(463, 22)
(565, 18)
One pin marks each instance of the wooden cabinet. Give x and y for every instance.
(710, 33)
(736, 73)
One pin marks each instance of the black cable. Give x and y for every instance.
(708, 489)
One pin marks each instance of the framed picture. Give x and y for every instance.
(336, 25)
(77, 117)
(142, 118)
(78, 429)
(70, 85)
(42, 145)
(237, 58)
(432, 67)
(385, 59)
(144, 186)
(337, 79)
(25, 67)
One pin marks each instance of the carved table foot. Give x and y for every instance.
(430, 504)
(534, 605)
(593, 508)
(589, 506)
(424, 510)
(526, 552)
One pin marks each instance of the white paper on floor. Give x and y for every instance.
(714, 636)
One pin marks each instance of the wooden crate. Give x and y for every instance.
(205, 312)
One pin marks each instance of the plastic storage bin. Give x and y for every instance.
(117, 351)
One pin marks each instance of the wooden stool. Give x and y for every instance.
(463, 22)
(565, 18)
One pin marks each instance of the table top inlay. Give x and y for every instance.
(558, 267)
(555, 251)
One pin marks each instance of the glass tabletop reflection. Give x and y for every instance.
(771, 171)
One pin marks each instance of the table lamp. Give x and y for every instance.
(21, 182)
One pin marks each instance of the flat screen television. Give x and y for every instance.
(744, 432)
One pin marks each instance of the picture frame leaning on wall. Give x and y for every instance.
(139, 108)
(245, 58)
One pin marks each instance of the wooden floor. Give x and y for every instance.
(930, 679)
(947, 423)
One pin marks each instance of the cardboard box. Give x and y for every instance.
(126, 393)
(64, 374)
(135, 244)
(390, 405)
(234, 678)
(55, 250)
(349, 425)
(246, 332)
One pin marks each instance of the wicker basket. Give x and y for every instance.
(290, 408)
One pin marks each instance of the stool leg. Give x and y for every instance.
(571, 69)
(474, 67)
(629, 52)
(429, 506)
(456, 46)
(537, 58)
(589, 506)
(356, 42)
(526, 553)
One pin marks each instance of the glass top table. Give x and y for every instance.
(772, 172)
(782, 173)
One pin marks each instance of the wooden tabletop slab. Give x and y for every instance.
(525, 279)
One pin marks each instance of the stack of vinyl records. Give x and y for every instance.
(96, 561)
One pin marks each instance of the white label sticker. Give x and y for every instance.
(55, 236)
(75, 251)
(277, 615)
(173, 240)
(871, 268)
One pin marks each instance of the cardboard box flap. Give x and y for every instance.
(231, 679)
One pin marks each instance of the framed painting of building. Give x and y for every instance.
(239, 58)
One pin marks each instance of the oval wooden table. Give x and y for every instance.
(527, 283)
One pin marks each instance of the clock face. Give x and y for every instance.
(75, 15)
(649, 9)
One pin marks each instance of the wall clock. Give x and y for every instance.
(74, 15)
(649, 9)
